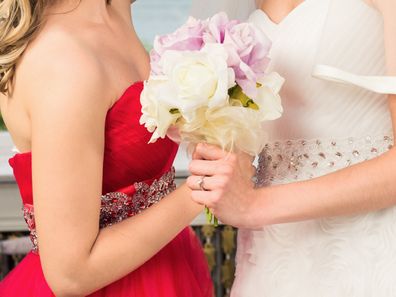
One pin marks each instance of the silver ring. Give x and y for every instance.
(201, 183)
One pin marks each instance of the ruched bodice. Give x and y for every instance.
(136, 175)
(331, 54)
(343, 35)
(127, 158)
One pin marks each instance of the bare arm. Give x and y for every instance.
(364, 187)
(368, 186)
(68, 109)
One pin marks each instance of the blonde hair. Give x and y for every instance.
(19, 21)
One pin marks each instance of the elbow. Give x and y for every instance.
(61, 286)
(65, 283)
(68, 273)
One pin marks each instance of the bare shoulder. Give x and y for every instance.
(386, 7)
(61, 66)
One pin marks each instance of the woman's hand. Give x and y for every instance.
(223, 182)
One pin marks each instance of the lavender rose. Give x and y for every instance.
(217, 27)
(248, 50)
(189, 37)
(247, 47)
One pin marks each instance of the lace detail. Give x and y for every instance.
(118, 206)
(282, 162)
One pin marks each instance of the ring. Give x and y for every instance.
(201, 183)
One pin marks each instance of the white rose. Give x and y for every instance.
(156, 115)
(268, 99)
(197, 79)
(230, 127)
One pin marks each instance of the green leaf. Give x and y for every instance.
(238, 94)
(210, 218)
(174, 111)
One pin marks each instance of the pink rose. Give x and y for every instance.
(248, 48)
(188, 37)
(217, 27)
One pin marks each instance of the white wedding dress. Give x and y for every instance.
(331, 54)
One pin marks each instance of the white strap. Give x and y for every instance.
(378, 84)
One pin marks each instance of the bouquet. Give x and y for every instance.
(209, 82)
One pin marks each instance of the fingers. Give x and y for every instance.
(245, 158)
(209, 183)
(204, 168)
(253, 170)
(193, 182)
(196, 156)
(205, 151)
(249, 158)
(209, 152)
(206, 198)
(221, 168)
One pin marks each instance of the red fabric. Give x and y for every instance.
(179, 269)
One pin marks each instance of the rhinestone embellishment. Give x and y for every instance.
(292, 160)
(118, 206)
(28, 214)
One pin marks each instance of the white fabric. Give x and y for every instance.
(337, 110)
(351, 49)
(378, 84)
(352, 256)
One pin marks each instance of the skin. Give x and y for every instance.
(365, 187)
(60, 116)
(278, 10)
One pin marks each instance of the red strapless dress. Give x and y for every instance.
(135, 176)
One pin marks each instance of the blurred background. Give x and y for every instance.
(157, 17)
(151, 17)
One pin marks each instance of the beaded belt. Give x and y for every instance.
(296, 160)
(118, 206)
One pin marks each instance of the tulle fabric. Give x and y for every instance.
(179, 269)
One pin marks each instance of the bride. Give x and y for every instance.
(104, 216)
(321, 219)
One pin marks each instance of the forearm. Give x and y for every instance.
(368, 186)
(123, 247)
(365, 187)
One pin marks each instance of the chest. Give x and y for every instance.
(124, 64)
(277, 10)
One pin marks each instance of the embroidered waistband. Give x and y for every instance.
(118, 206)
(296, 160)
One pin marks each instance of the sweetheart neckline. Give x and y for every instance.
(131, 86)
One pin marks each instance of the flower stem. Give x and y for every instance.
(210, 218)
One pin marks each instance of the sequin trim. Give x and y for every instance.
(118, 206)
(28, 214)
(296, 160)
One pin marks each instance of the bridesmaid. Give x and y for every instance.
(324, 203)
(92, 187)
